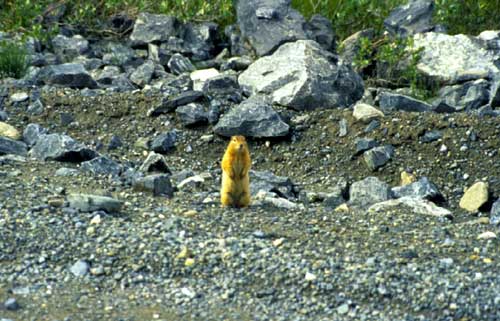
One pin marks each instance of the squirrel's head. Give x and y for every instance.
(238, 143)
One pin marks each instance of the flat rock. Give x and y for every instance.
(169, 104)
(9, 131)
(267, 181)
(474, 197)
(396, 102)
(102, 165)
(378, 156)
(67, 75)
(61, 148)
(364, 112)
(68, 48)
(303, 76)
(91, 203)
(254, 117)
(369, 191)
(192, 114)
(19, 97)
(12, 147)
(417, 206)
(364, 144)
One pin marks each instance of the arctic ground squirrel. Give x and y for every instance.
(236, 163)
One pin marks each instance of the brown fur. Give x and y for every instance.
(236, 163)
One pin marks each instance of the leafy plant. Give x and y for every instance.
(14, 60)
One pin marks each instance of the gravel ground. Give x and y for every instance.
(185, 258)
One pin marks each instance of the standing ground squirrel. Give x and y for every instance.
(236, 163)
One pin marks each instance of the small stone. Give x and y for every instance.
(19, 97)
(343, 129)
(189, 262)
(278, 242)
(364, 112)
(343, 309)
(184, 253)
(80, 268)
(407, 178)
(55, 202)
(343, 208)
(310, 277)
(9, 131)
(443, 149)
(96, 220)
(474, 197)
(91, 203)
(487, 236)
(11, 304)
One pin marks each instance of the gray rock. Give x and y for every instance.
(254, 117)
(164, 142)
(374, 124)
(431, 136)
(92, 203)
(269, 24)
(222, 85)
(9, 146)
(106, 75)
(423, 188)
(200, 39)
(102, 165)
(364, 144)
(378, 156)
(154, 163)
(464, 97)
(118, 55)
(67, 75)
(369, 191)
(154, 28)
(178, 64)
(19, 97)
(3, 115)
(495, 213)
(460, 58)
(32, 133)
(411, 18)
(80, 268)
(11, 304)
(416, 205)
(495, 93)
(236, 64)
(158, 54)
(61, 148)
(158, 184)
(121, 83)
(169, 104)
(352, 44)
(192, 114)
(115, 142)
(303, 76)
(36, 108)
(237, 45)
(66, 118)
(268, 182)
(89, 63)
(320, 29)
(343, 127)
(64, 171)
(395, 102)
(69, 48)
(143, 74)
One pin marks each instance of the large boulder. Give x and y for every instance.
(411, 18)
(454, 59)
(302, 75)
(254, 118)
(267, 24)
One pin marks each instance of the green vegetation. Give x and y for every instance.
(13, 60)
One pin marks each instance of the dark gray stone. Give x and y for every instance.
(154, 163)
(267, 24)
(395, 102)
(66, 118)
(169, 104)
(61, 148)
(32, 133)
(11, 304)
(178, 64)
(252, 118)
(36, 108)
(121, 83)
(115, 142)
(102, 165)
(236, 64)
(378, 156)
(464, 97)
(67, 75)
(320, 29)
(495, 93)
(431, 136)
(303, 76)
(158, 54)
(9, 146)
(237, 44)
(200, 40)
(222, 85)
(143, 74)
(164, 142)
(3, 115)
(423, 188)
(69, 48)
(154, 28)
(411, 18)
(268, 182)
(158, 184)
(80, 268)
(364, 144)
(92, 203)
(495, 213)
(192, 114)
(117, 54)
(369, 191)
(107, 75)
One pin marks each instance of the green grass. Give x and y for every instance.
(13, 60)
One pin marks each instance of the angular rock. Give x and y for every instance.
(303, 76)
(474, 197)
(121, 83)
(9, 131)
(395, 102)
(169, 104)
(80, 268)
(237, 63)
(69, 48)
(268, 182)
(378, 156)
(143, 74)
(254, 117)
(102, 165)
(320, 29)
(115, 142)
(11, 304)
(460, 58)
(154, 163)
(411, 18)
(36, 108)
(464, 97)
(269, 24)
(158, 55)
(369, 191)
(192, 114)
(365, 112)
(417, 206)
(118, 54)
(343, 127)
(495, 93)
(200, 76)
(164, 142)
(423, 188)
(222, 85)
(431, 136)
(32, 133)
(14, 147)
(67, 75)
(61, 148)
(178, 64)
(238, 46)
(364, 144)
(92, 203)
(200, 39)
(158, 184)
(106, 75)
(154, 28)
(495, 213)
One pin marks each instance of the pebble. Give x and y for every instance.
(343, 309)
(11, 304)
(80, 268)
(19, 97)
(487, 236)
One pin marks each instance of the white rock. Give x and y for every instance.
(418, 206)
(365, 112)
